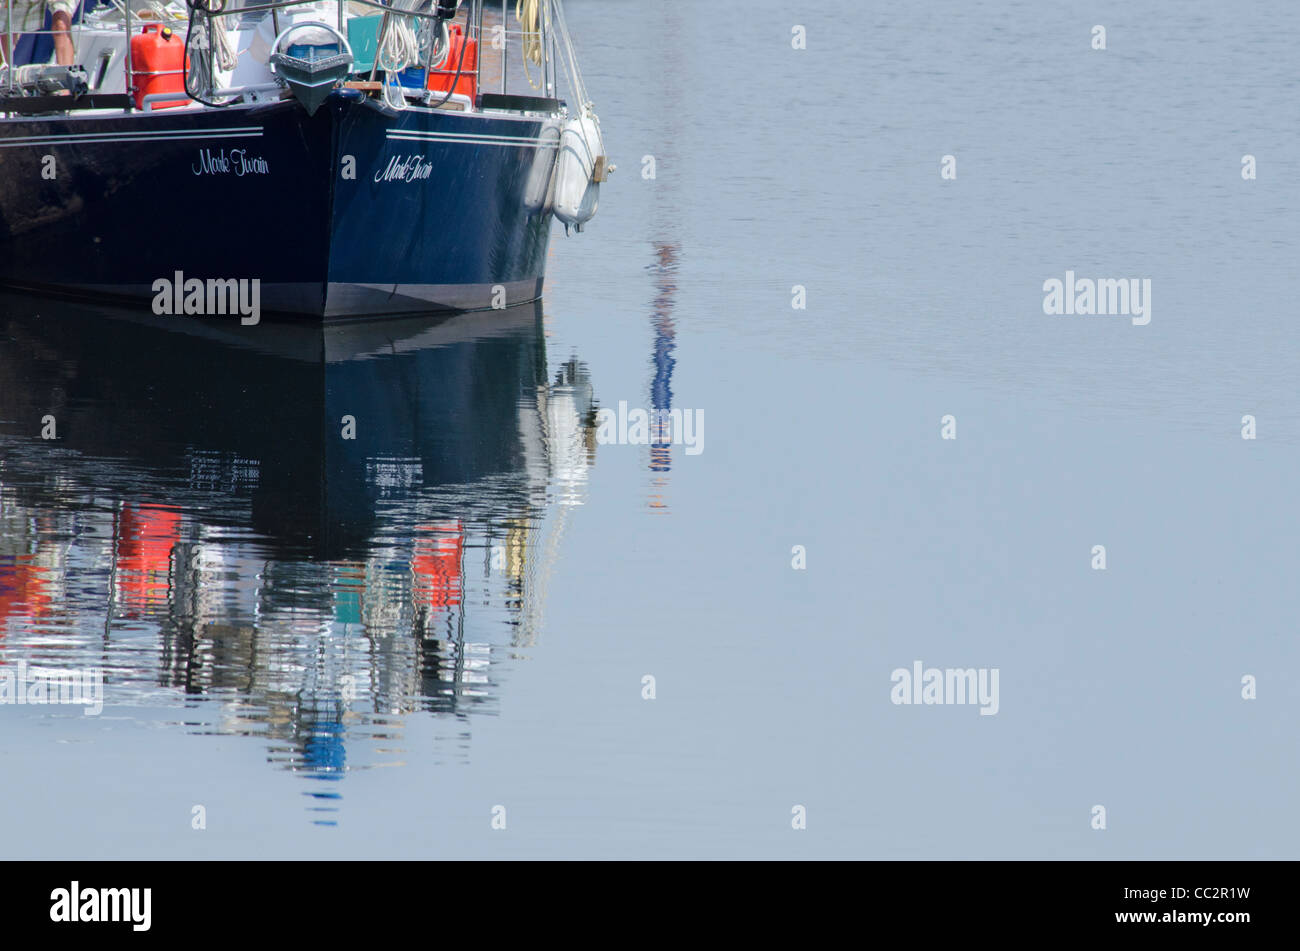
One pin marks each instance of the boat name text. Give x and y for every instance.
(237, 162)
(411, 168)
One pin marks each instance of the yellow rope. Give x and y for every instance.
(529, 13)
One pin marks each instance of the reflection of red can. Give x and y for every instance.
(22, 590)
(436, 564)
(146, 535)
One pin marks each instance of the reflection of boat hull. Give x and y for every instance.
(356, 210)
(254, 431)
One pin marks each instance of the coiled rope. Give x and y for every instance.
(531, 14)
(400, 49)
(204, 16)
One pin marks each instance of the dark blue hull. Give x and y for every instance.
(356, 210)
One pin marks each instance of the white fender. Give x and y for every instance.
(540, 187)
(576, 195)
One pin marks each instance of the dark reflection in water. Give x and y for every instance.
(301, 534)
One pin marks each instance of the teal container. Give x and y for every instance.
(363, 37)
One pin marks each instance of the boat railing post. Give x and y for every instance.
(541, 36)
(550, 54)
(505, 46)
(212, 55)
(427, 61)
(9, 46)
(74, 35)
(130, 76)
(379, 45)
(478, 38)
(8, 50)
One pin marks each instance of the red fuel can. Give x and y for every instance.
(440, 80)
(157, 64)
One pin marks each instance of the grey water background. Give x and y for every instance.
(774, 168)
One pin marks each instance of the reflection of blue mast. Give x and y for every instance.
(324, 752)
(325, 756)
(667, 53)
(661, 390)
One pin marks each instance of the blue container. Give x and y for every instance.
(412, 78)
(311, 52)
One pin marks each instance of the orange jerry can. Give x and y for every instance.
(440, 80)
(157, 64)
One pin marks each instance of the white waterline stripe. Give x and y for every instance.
(111, 140)
(470, 135)
(163, 132)
(134, 134)
(529, 143)
(91, 137)
(478, 136)
(482, 116)
(532, 144)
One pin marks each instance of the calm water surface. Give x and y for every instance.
(359, 648)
